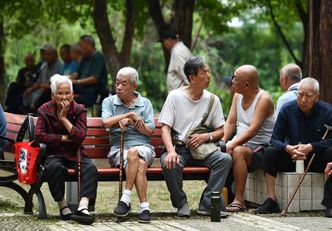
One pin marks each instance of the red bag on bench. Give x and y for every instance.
(26, 154)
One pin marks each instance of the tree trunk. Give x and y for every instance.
(2, 63)
(114, 59)
(321, 49)
(181, 22)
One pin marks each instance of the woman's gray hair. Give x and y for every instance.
(58, 79)
(312, 82)
(129, 71)
(192, 66)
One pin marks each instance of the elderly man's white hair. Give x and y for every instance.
(312, 82)
(58, 79)
(128, 71)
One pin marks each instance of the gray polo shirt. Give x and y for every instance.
(113, 106)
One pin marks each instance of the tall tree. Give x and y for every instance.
(115, 58)
(320, 48)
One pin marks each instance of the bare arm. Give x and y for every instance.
(263, 110)
(86, 81)
(197, 139)
(172, 157)
(230, 124)
(115, 120)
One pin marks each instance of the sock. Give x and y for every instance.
(62, 204)
(144, 206)
(83, 205)
(126, 196)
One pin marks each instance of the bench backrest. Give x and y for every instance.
(97, 144)
(14, 123)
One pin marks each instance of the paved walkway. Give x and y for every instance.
(236, 222)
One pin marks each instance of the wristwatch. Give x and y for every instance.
(210, 137)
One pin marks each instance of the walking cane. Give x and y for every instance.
(121, 162)
(78, 175)
(284, 211)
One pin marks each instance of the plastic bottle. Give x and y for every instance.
(215, 206)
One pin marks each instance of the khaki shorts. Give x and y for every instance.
(145, 152)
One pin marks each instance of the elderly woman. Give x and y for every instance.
(62, 127)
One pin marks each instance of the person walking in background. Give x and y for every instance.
(179, 55)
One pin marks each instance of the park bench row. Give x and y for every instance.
(97, 146)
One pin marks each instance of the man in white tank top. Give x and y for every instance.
(252, 115)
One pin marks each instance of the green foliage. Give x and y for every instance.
(30, 23)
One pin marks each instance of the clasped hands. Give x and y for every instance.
(299, 151)
(131, 119)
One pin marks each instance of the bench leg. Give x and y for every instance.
(35, 189)
(22, 192)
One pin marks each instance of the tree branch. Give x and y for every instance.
(156, 15)
(128, 37)
(283, 37)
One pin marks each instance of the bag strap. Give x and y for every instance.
(209, 109)
(23, 128)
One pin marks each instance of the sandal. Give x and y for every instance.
(235, 207)
(67, 216)
(83, 218)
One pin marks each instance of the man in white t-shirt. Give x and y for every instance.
(179, 55)
(184, 110)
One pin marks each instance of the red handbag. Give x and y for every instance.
(26, 155)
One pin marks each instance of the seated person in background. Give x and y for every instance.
(40, 91)
(69, 65)
(133, 113)
(24, 80)
(290, 76)
(75, 53)
(297, 135)
(62, 125)
(90, 79)
(327, 200)
(252, 114)
(184, 110)
(3, 125)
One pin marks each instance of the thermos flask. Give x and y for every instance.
(215, 206)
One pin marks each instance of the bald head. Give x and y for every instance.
(247, 73)
(292, 72)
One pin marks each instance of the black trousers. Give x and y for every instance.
(327, 200)
(56, 170)
(276, 161)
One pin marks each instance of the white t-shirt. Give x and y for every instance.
(183, 114)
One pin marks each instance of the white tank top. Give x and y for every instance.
(244, 119)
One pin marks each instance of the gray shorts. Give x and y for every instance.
(145, 152)
(257, 157)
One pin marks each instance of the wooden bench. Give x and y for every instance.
(97, 146)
